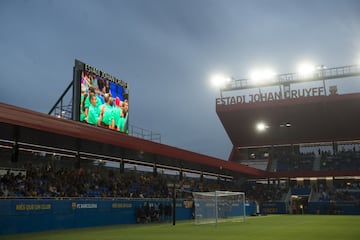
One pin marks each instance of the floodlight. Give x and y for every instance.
(285, 124)
(261, 126)
(306, 70)
(269, 74)
(219, 80)
(262, 75)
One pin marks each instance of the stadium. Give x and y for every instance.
(294, 164)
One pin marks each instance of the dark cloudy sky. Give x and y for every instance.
(167, 50)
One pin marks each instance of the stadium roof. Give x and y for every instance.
(42, 131)
(317, 119)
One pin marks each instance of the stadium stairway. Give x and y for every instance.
(273, 165)
(317, 162)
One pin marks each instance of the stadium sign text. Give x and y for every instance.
(271, 96)
(105, 75)
(86, 205)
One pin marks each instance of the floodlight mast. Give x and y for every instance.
(319, 74)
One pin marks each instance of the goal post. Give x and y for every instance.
(219, 206)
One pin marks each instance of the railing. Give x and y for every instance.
(288, 78)
(144, 134)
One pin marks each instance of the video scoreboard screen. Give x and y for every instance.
(100, 99)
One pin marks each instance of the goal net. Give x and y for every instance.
(219, 206)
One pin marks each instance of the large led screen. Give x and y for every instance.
(103, 99)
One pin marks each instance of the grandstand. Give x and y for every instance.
(302, 131)
(70, 174)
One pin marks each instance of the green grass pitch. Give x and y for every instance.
(271, 227)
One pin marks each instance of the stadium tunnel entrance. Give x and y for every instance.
(299, 204)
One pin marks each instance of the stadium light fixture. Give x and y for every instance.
(261, 126)
(262, 76)
(285, 125)
(219, 80)
(306, 69)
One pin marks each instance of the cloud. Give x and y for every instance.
(166, 51)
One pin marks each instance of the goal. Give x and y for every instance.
(219, 206)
